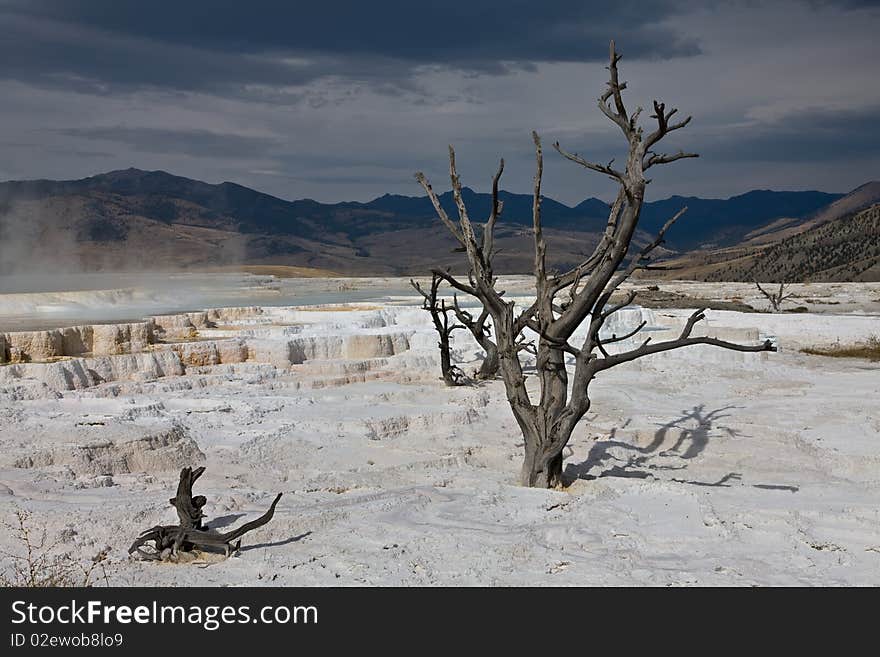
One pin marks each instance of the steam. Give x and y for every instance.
(36, 301)
(33, 241)
(61, 235)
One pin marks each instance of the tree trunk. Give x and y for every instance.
(540, 469)
(490, 365)
(449, 371)
(545, 432)
(547, 425)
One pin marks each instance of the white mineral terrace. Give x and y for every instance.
(699, 466)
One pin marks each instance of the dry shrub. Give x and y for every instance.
(869, 349)
(38, 563)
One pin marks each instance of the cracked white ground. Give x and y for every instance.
(698, 466)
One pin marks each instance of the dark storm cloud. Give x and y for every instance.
(821, 134)
(72, 56)
(845, 4)
(198, 143)
(343, 100)
(208, 45)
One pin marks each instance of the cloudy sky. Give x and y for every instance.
(345, 100)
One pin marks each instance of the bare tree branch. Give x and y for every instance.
(495, 212)
(642, 260)
(663, 158)
(540, 244)
(482, 334)
(663, 125)
(423, 181)
(605, 169)
(615, 338)
(614, 90)
(684, 340)
(573, 276)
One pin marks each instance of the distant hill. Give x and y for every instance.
(155, 195)
(134, 219)
(840, 242)
(844, 249)
(717, 222)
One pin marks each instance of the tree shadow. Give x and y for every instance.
(790, 489)
(721, 483)
(690, 443)
(223, 521)
(287, 541)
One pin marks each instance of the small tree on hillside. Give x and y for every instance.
(580, 296)
(777, 298)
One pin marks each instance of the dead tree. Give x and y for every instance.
(169, 540)
(775, 298)
(479, 328)
(587, 289)
(452, 374)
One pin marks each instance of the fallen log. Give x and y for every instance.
(169, 540)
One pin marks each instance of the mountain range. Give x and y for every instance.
(133, 219)
(840, 242)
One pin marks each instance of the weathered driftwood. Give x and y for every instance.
(189, 508)
(169, 540)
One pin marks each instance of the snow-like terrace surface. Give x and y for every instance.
(694, 467)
